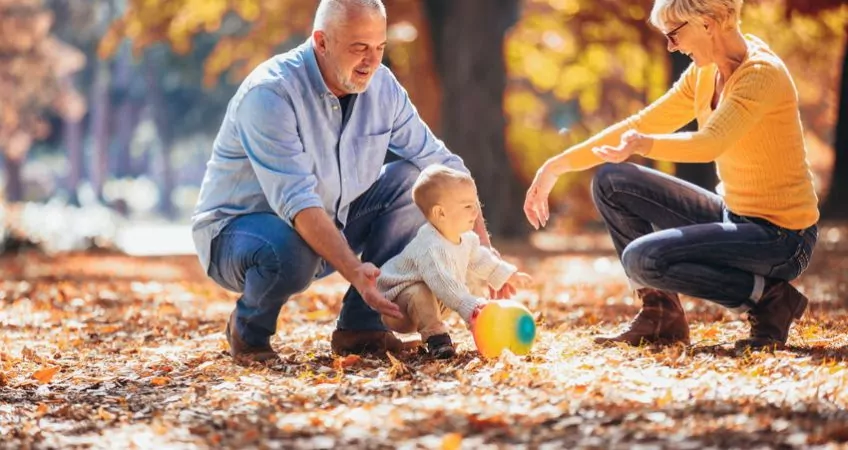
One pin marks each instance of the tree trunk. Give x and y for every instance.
(124, 121)
(701, 174)
(14, 182)
(416, 71)
(72, 137)
(836, 202)
(100, 112)
(468, 40)
(165, 131)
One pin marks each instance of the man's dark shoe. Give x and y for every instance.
(440, 346)
(771, 318)
(660, 321)
(243, 352)
(346, 342)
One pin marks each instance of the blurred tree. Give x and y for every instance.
(273, 23)
(836, 202)
(469, 48)
(576, 67)
(835, 205)
(34, 68)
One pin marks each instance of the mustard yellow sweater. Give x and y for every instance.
(754, 136)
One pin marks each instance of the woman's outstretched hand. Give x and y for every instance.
(632, 143)
(536, 203)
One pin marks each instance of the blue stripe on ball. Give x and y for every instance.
(526, 329)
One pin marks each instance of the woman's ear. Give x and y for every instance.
(709, 25)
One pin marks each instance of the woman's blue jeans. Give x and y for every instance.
(674, 236)
(264, 259)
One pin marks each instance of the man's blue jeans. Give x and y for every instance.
(264, 259)
(701, 249)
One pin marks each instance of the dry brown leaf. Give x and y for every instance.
(103, 414)
(46, 374)
(344, 362)
(398, 369)
(160, 381)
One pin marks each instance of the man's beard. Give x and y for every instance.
(346, 81)
(349, 85)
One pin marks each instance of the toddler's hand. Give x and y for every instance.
(474, 314)
(520, 280)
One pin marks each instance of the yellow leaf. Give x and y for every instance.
(45, 375)
(452, 441)
(105, 415)
(711, 333)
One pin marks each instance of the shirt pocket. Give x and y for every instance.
(370, 155)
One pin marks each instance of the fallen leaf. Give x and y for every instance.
(46, 374)
(452, 441)
(160, 381)
(398, 369)
(346, 361)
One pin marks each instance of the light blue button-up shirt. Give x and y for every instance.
(281, 147)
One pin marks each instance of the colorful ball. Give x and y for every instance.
(502, 325)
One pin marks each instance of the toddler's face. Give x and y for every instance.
(461, 208)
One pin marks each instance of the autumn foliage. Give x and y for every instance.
(34, 67)
(130, 352)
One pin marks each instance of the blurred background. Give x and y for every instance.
(108, 108)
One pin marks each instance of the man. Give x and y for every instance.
(296, 185)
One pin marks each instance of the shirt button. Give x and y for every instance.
(335, 108)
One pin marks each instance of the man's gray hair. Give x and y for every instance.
(331, 12)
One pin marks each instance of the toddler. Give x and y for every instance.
(430, 275)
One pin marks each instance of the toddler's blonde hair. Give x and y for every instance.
(433, 183)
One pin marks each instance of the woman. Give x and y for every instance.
(738, 248)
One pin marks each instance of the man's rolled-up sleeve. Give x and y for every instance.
(413, 140)
(268, 131)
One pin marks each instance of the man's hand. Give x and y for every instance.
(632, 143)
(318, 230)
(364, 280)
(536, 202)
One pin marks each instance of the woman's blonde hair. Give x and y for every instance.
(674, 12)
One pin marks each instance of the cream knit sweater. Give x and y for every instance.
(443, 267)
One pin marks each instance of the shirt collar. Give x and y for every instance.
(313, 71)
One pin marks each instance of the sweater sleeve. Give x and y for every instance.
(437, 270)
(667, 114)
(747, 100)
(489, 267)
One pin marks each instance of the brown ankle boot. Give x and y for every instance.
(243, 352)
(660, 321)
(771, 318)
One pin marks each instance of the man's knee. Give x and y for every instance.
(403, 174)
(276, 260)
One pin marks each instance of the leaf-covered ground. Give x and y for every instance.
(109, 351)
